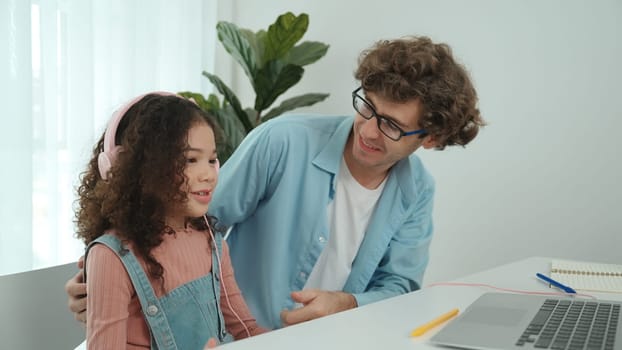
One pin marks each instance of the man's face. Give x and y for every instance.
(370, 148)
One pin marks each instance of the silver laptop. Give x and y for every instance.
(518, 321)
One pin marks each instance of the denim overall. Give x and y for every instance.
(187, 316)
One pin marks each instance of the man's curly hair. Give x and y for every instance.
(146, 178)
(416, 68)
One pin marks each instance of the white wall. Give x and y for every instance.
(543, 177)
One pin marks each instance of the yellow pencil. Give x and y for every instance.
(435, 322)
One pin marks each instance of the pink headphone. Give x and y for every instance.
(108, 156)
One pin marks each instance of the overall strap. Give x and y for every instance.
(161, 332)
(217, 246)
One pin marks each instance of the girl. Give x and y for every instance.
(158, 274)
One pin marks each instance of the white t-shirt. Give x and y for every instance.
(348, 216)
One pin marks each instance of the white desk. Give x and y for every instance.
(388, 323)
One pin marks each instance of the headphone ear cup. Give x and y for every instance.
(109, 154)
(103, 164)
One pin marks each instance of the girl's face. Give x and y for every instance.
(201, 173)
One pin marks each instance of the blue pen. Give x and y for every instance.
(556, 284)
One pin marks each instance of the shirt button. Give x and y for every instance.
(152, 310)
(302, 275)
(322, 239)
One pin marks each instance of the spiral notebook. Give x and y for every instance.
(588, 276)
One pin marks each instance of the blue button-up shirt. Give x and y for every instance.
(275, 190)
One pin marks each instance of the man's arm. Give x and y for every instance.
(406, 257)
(76, 292)
(400, 271)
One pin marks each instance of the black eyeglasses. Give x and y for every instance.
(385, 125)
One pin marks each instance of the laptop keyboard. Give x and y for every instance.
(567, 324)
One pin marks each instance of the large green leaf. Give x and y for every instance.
(236, 43)
(306, 53)
(256, 42)
(232, 130)
(213, 102)
(283, 34)
(252, 115)
(231, 98)
(273, 80)
(293, 103)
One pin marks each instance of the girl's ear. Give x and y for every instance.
(429, 142)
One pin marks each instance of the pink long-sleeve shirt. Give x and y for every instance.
(114, 317)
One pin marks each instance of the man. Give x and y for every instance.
(330, 213)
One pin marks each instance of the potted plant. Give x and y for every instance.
(273, 63)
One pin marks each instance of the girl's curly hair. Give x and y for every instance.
(145, 179)
(415, 67)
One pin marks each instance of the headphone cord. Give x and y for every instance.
(222, 281)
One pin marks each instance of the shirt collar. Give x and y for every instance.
(330, 156)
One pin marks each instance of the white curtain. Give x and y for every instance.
(65, 66)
